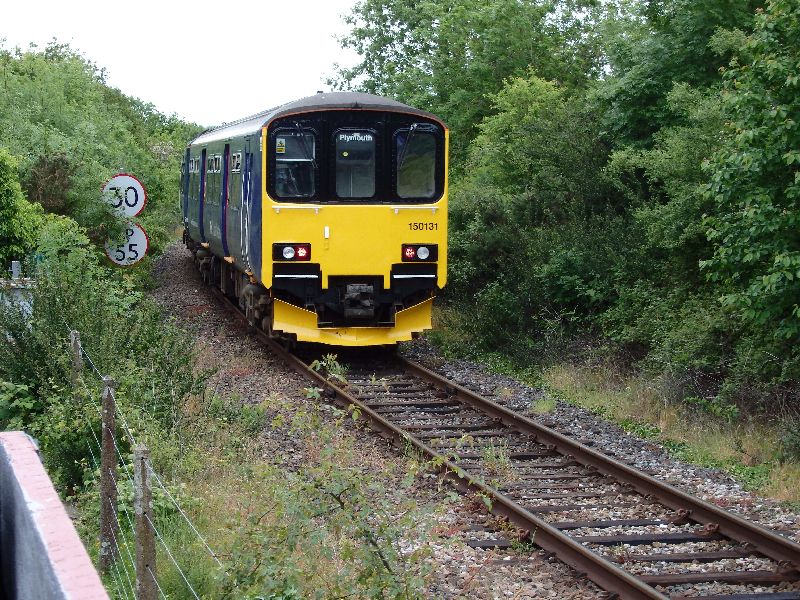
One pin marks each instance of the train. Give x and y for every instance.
(325, 217)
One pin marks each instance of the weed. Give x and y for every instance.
(312, 393)
(640, 429)
(715, 406)
(544, 405)
(496, 461)
(465, 441)
(354, 412)
(329, 366)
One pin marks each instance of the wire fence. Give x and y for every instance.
(125, 565)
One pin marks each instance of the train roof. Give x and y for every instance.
(317, 102)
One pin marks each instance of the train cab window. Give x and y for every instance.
(355, 163)
(416, 161)
(295, 163)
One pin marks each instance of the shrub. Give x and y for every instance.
(124, 335)
(754, 182)
(19, 219)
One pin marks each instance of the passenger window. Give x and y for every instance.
(295, 163)
(416, 162)
(355, 163)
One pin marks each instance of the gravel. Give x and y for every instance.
(246, 372)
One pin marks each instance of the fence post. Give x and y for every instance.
(109, 526)
(146, 586)
(77, 358)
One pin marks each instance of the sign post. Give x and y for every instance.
(127, 196)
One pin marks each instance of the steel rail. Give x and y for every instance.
(730, 525)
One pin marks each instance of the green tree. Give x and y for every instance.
(527, 221)
(652, 45)
(19, 219)
(755, 178)
(541, 142)
(452, 57)
(71, 132)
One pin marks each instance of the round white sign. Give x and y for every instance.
(131, 248)
(126, 194)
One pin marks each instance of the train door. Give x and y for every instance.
(224, 196)
(202, 195)
(185, 176)
(247, 202)
(234, 222)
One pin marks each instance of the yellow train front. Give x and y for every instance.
(325, 217)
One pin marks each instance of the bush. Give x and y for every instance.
(125, 336)
(754, 182)
(19, 219)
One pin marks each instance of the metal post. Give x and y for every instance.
(77, 359)
(109, 526)
(146, 586)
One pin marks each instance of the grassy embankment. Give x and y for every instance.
(322, 530)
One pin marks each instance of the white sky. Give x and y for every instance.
(207, 62)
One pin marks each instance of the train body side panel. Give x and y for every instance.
(185, 186)
(194, 201)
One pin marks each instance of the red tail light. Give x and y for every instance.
(293, 252)
(420, 253)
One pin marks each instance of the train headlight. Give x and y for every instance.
(291, 252)
(420, 252)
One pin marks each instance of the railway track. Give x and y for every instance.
(631, 534)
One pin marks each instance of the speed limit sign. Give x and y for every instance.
(126, 194)
(130, 248)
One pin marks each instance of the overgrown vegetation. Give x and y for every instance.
(625, 180)
(324, 530)
(752, 451)
(70, 132)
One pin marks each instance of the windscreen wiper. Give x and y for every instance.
(308, 155)
(404, 152)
